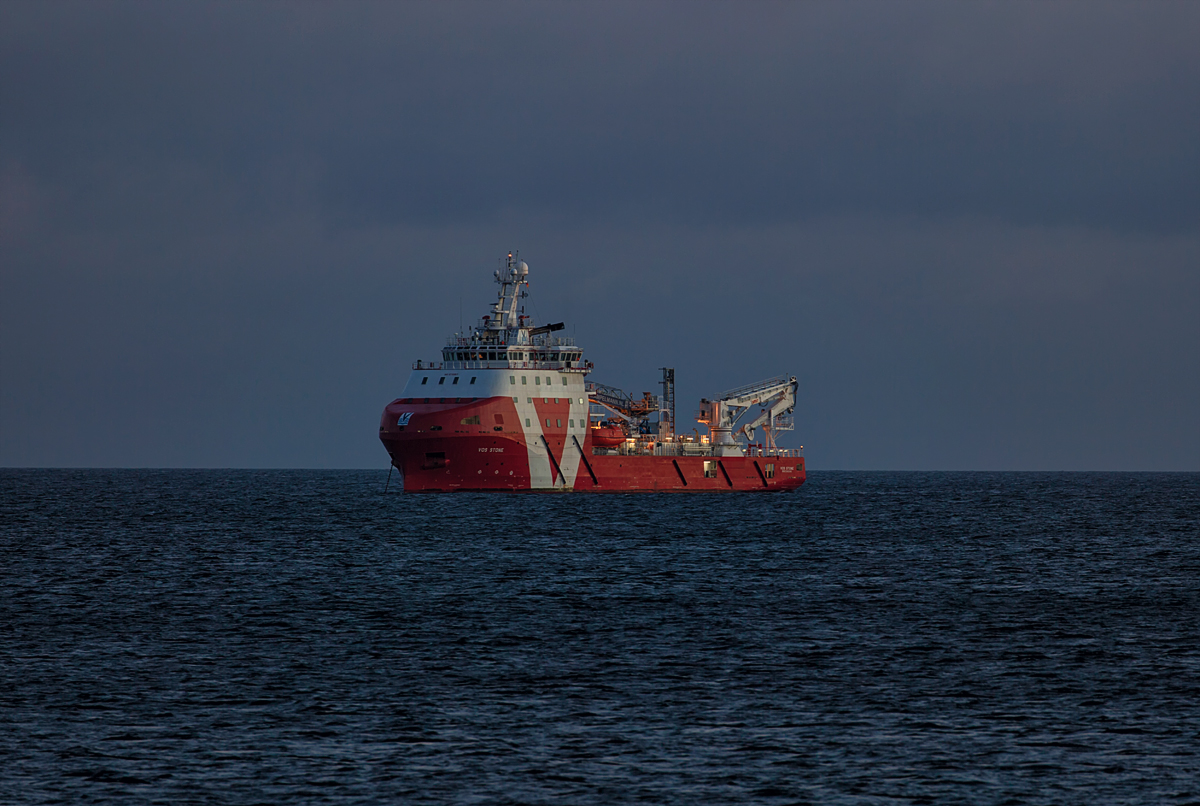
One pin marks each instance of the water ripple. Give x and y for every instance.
(292, 637)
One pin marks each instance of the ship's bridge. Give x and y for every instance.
(506, 339)
(554, 353)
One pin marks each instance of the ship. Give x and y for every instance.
(509, 408)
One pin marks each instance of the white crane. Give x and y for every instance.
(776, 396)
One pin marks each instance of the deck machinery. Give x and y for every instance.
(776, 397)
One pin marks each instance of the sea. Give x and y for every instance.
(287, 637)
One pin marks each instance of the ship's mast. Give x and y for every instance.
(513, 281)
(666, 411)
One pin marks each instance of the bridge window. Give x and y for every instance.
(523, 380)
(564, 380)
(441, 380)
(559, 422)
(571, 423)
(512, 380)
(537, 381)
(456, 379)
(527, 422)
(548, 381)
(472, 380)
(424, 380)
(547, 422)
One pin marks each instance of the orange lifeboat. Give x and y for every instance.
(607, 436)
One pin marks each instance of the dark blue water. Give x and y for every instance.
(290, 637)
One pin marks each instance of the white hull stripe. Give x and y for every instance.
(541, 472)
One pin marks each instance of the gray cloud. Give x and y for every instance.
(974, 229)
(1071, 114)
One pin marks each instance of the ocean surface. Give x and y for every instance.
(239, 637)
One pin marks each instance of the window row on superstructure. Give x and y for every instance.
(573, 367)
(442, 379)
(512, 380)
(567, 357)
(543, 383)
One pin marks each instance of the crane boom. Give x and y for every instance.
(772, 419)
(776, 396)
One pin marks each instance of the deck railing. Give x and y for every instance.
(540, 340)
(553, 366)
(697, 449)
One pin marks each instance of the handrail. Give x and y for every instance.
(534, 341)
(694, 449)
(741, 391)
(554, 366)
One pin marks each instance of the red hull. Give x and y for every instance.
(454, 444)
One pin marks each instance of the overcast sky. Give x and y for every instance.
(971, 230)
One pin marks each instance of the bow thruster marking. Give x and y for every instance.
(553, 461)
(588, 464)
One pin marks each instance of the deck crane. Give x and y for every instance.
(632, 412)
(623, 403)
(776, 396)
(635, 413)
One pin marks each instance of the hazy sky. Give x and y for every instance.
(972, 230)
